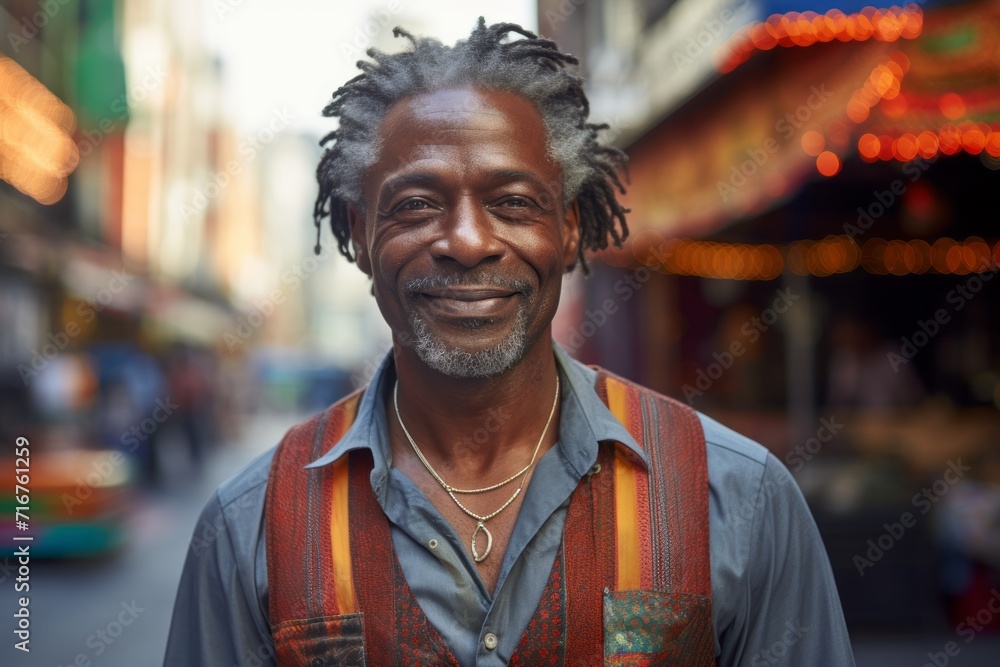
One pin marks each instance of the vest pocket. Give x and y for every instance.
(327, 641)
(646, 628)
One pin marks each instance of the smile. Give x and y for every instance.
(465, 302)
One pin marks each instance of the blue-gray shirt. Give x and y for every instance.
(774, 600)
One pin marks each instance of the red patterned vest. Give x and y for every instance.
(630, 586)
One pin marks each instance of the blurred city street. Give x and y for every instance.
(808, 257)
(72, 601)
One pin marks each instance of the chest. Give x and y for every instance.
(483, 523)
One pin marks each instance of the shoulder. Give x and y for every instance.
(737, 465)
(744, 478)
(231, 521)
(249, 481)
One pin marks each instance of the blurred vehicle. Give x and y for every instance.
(78, 504)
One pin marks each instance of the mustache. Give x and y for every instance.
(473, 278)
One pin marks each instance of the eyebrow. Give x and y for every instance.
(426, 178)
(420, 178)
(517, 175)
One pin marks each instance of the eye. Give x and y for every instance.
(413, 205)
(516, 202)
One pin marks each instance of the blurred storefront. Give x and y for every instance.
(811, 260)
(115, 300)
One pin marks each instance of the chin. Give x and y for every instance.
(461, 361)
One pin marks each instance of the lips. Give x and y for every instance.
(465, 302)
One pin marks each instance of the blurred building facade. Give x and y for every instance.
(115, 301)
(812, 253)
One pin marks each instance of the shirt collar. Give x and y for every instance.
(584, 420)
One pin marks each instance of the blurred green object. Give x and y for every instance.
(100, 71)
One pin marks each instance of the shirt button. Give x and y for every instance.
(490, 641)
(433, 544)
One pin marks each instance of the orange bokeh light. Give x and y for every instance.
(828, 164)
(927, 144)
(905, 148)
(37, 151)
(973, 140)
(992, 146)
(808, 28)
(952, 106)
(894, 107)
(950, 139)
(857, 110)
(869, 147)
(813, 142)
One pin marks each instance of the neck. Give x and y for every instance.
(473, 428)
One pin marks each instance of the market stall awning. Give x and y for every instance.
(801, 104)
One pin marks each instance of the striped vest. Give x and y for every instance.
(630, 585)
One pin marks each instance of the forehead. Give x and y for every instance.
(466, 129)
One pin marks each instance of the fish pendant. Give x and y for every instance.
(489, 542)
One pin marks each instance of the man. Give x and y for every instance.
(594, 523)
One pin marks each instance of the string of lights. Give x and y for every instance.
(826, 257)
(808, 28)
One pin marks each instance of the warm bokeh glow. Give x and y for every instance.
(869, 147)
(37, 152)
(973, 138)
(808, 28)
(952, 106)
(813, 142)
(828, 164)
(829, 256)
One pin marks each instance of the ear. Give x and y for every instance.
(571, 235)
(359, 239)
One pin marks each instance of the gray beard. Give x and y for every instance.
(461, 364)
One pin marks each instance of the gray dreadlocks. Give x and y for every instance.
(532, 67)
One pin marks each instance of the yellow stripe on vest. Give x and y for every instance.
(626, 518)
(340, 539)
(340, 530)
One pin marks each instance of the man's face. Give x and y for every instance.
(465, 235)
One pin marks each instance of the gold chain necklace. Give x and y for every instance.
(451, 490)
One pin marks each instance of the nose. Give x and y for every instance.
(467, 235)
